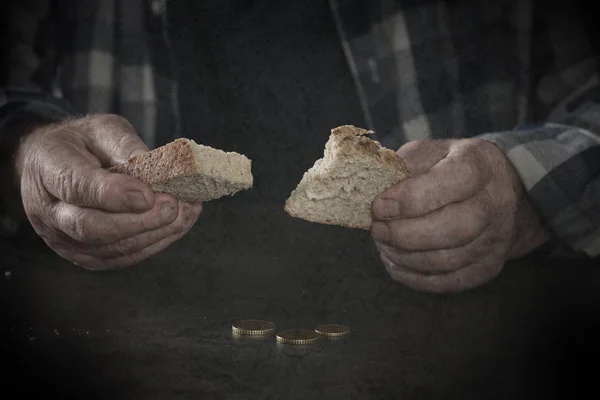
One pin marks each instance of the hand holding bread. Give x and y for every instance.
(455, 222)
(86, 214)
(447, 225)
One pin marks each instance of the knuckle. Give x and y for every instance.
(413, 146)
(119, 135)
(80, 229)
(484, 147)
(99, 191)
(65, 183)
(475, 161)
(118, 128)
(127, 139)
(115, 121)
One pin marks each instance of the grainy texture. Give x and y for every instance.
(340, 187)
(190, 171)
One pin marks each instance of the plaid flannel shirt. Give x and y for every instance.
(70, 57)
(520, 73)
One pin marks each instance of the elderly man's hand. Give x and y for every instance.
(454, 223)
(89, 216)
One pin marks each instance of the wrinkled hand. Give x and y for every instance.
(89, 216)
(454, 223)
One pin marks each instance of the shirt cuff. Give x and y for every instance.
(559, 166)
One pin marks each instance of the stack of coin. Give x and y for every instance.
(297, 336)
(259, 327)
(253, 327)
(332, 330)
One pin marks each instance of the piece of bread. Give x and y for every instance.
(340, 187)
(190, 171)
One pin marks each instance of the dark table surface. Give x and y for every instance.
(163, 329)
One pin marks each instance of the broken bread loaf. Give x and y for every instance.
(190, 171)
(340, 187)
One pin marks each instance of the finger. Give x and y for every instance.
(452, 226)
(188, 215)
(466, 278)
(460, 175)
(96, 263)
(440, 261)
(114, 140)
(129, 260)
(92, 226)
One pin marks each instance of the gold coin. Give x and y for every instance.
(332, 330)
(297, 336)
(253, 327)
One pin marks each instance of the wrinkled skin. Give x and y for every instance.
(89, 216)
(457, 220)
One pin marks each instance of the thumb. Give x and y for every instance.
(421, 155)
(84, 184)
(75, 174)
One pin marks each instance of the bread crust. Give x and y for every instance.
(175, 168)
(162, 164)
(351, 139)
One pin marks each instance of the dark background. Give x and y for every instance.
(264, 78)
(269, 79)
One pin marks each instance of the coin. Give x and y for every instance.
(297, 336)
(253, 327)
(332, 330)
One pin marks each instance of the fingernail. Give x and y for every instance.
(380, 231)
(168, 211)
(385, 208)
(135, 200)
